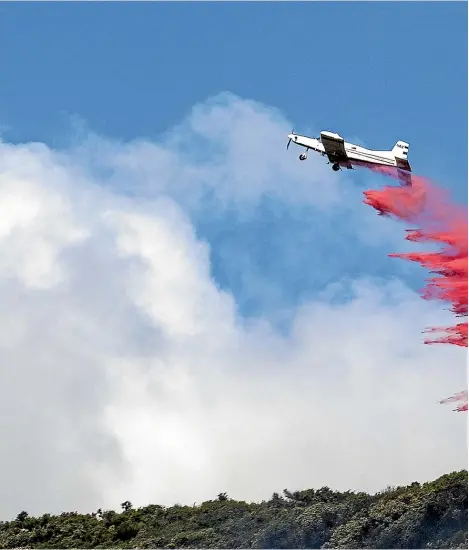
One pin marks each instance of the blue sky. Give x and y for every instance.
(165, 129)
(377, 72)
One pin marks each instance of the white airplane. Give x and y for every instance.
(341, 153)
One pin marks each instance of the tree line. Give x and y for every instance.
(428, 515)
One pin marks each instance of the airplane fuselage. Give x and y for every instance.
(354, 152)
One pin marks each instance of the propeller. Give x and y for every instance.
(288, 144)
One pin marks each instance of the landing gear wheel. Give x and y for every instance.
(303, 156)
(335, 167)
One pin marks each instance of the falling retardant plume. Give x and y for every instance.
(461, 396)
(443, 224)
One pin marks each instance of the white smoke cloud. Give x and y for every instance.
(127, 373)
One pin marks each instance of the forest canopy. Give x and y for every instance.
(429, 515)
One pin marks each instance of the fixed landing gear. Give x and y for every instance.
(336, 167)
(303, 156)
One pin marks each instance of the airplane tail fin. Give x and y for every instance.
(401, 149)
(400, 152)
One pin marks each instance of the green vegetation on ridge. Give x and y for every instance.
(431, 515)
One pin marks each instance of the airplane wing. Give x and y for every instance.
(334, 148)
